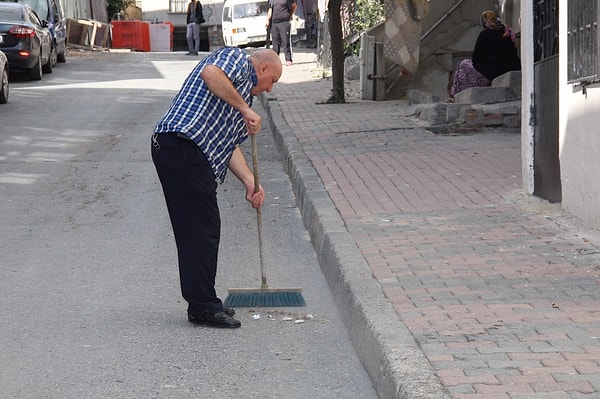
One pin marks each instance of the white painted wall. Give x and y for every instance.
(579, 135)
(155, 10)
(527, 90)
(579, 128)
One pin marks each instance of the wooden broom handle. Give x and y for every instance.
(255, 163)
(263, 267)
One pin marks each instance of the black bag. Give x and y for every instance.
(200, 19)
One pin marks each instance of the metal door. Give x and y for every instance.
(546, 165)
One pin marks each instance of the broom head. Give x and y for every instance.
(264, 297)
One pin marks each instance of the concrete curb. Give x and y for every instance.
(394, 361)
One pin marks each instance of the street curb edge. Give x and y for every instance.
(394, 361)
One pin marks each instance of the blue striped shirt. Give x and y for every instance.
(215, 126)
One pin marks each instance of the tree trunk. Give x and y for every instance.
(337, 52)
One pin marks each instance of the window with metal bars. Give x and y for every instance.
(178, 6)
(545, 13)
(582, 36)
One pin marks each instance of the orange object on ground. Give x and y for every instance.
(172, 30)
(134, 35)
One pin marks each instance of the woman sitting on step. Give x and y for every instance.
(495, 54)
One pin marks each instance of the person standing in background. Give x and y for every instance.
(194, 18)
(279, 16)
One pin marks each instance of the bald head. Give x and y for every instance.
(268, 56)
(268, 69)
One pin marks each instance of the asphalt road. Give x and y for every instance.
(89, 294)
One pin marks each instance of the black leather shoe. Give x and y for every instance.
(219, 320)
(229, 311)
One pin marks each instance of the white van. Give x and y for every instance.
(244, 22)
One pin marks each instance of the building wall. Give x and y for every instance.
(77, 9)
(579, 136)
(211, 36)
(455, 36)
(511, 13)
(527, 96)
(158, 10)
(579, 141)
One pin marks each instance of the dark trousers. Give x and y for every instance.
(280, 35)
(190, 192)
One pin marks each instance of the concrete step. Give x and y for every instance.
(421, 97)
(486, 95)
(475, 108)
(510, 79)
(464, 118)
(504, 88)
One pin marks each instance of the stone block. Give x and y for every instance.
(493, 119)
(510, 80)
(510, 108)
(435, 114)
(420, 97)
(474, 117)
(485, 95)
(352, 68)
(512, 121)
(456, 112)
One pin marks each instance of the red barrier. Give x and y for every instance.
(172, 30)
(134, 35)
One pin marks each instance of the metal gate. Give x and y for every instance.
(546, 165)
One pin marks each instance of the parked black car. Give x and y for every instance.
(25, 40)
(52, 12)
(3, 78)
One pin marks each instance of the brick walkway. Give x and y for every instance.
(500, 290)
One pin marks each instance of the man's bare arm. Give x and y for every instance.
(219, 84)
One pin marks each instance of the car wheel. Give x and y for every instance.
(62, 57)
(53, 56)
(47, 68)
(36, 72)
(4, 87)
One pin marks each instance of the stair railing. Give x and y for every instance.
(431, 29)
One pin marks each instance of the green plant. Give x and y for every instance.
(114, 7)
(360, 16)
(368, 13)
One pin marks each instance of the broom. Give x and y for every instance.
(263, 296)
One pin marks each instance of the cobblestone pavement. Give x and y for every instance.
(500, 290)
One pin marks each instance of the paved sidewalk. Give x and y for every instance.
(454, 283)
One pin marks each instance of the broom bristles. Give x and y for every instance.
(264, 297)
